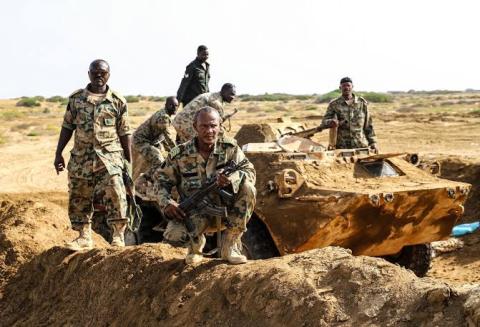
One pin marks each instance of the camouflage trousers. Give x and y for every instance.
(105, 190)
(238, 215)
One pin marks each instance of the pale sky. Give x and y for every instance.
(299, 47)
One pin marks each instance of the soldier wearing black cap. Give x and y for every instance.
(349, 113)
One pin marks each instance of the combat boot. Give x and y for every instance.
(83, 241)
(231, 247)
(195, 249)
(118, 237)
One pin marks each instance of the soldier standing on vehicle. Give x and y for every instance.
(189, 165)
(196, 78)
(349, 113)
(183, 121)
(102, 143)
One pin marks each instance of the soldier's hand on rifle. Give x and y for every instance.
(222, 180)
(374, 147)
(59, 163)
(172, 211)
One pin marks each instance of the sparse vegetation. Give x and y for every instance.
(11, 114)
(132, 98)
(28, 102)
(156, 99)
(57, 98)
(376, 97)
(33, 133)
(274, 97)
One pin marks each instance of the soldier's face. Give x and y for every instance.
(207, 127)
(171, 107)
(203, 55)
(346, 88)
(99, 75)
(229, 95)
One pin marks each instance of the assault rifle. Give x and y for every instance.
(198, 201)
(227, 117)
(134, 211)
(308, 132)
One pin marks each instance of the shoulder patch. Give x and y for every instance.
(75, 93)
(229, 140)
(118, 96)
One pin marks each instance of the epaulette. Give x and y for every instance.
(363, 100)
(229, 140)
(176, 151)
(118, 96)
(75, 93)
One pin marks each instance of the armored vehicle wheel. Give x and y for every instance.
(257, 242)
(417, 258)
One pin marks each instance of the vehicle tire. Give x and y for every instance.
(417, 258)
(257, 242)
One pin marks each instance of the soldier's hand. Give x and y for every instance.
(374, 147)
(172, 211)
(222, 180)
(333, 123)
(59, 163)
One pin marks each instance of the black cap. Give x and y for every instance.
(346, 80)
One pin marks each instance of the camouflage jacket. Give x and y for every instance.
(155, 131)
(98, 128)
(356, 128)
(183, 121)
(194, 82)
(186, 169)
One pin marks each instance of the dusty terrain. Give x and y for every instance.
(43, 284)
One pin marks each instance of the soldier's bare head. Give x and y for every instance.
(99, 73)
(202, 53)
(207, 123)
(346, 87)
(171, 105)
(228, 92)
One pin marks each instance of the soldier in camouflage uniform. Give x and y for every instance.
(350, 114)
(98, 116)
(147, 139)
(155, 131)
(183, 121)
(196, 78)
(189, 165)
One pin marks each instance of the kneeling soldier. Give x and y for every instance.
(189, 166)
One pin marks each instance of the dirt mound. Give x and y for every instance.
(468, 171)
(255, 133)
(29, 225)
(150, 285)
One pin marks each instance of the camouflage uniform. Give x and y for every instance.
(194, 82)
(183, 121)
(153, 132)
(186, 169)
(96, 161)
(356, 128)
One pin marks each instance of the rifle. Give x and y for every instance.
(308, 132)
(134, 211)
(198, 201)
(227, 117)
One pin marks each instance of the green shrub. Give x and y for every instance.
(369, 96)
(327, 97)
(57, 98)
(274, 97)
(28, 102)
(132, 98)
(157, 99)
(33, 133)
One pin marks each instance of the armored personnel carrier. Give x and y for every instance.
(390, 205)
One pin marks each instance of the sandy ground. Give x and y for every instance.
(27, 161)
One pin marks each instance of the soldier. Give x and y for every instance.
(98, 116)
(196, 78)
(189, 165)
(350, 114)
(155, 130)
(183, 121)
